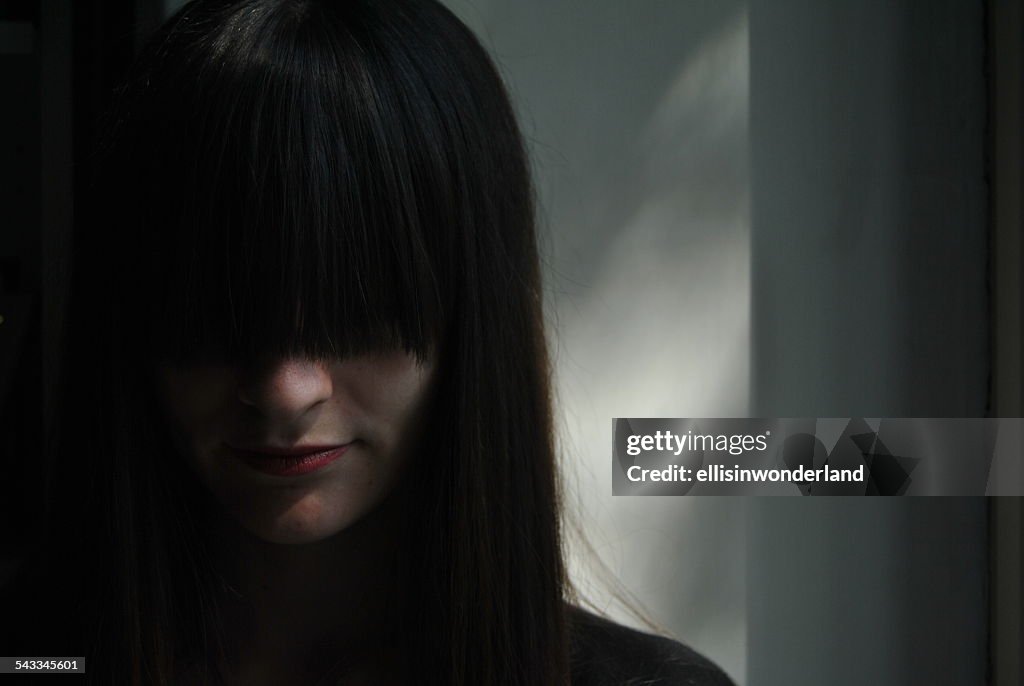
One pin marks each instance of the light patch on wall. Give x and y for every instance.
(664, 330)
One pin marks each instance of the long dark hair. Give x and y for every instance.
(317, 178)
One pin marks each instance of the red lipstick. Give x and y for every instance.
(289, 461)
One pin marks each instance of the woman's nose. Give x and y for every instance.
(285, 389)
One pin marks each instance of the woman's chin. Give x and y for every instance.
(304, 521)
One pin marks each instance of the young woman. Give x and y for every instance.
(305, 433)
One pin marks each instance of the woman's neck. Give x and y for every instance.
(295, 613)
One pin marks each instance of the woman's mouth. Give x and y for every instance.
(294, 461)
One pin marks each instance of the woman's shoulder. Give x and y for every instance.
(608, 654)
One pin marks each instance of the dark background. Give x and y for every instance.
(57, 70)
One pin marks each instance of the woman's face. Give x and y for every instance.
(298, 450)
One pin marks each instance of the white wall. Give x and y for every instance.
(775, 209)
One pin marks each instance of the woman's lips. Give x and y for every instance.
(294, 461)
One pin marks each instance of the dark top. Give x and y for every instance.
(609, 654)
(603, 653)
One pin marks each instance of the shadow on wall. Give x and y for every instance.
(869, 299)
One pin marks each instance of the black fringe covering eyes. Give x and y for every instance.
(302, 213)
